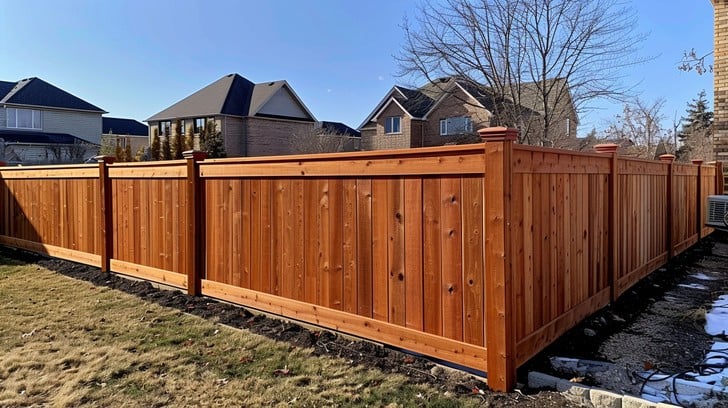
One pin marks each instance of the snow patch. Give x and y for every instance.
(702, 276)
(693, 286)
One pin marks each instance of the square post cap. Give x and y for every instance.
(498, 134)
(105, 159)
(667, 158)
(606, 148)
(196, 155)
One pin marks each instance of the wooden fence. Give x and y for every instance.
(480, 254)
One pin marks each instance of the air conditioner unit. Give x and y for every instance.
(717, 215)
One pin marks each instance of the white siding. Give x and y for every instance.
(284, 104)
(84, 125)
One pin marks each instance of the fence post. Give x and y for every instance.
(106, 212)
(699, 205)
(613, 220)
(195, 249)
(669, 159)
(500, 333)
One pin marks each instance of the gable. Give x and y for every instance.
(284, 103)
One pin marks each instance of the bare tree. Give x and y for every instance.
(322, 141)
(692, 61)
(641, 123)
(534, 58)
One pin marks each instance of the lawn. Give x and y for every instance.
(67, 342)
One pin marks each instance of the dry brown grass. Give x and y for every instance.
(68, 343)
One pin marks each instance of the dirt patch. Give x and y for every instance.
(658, 324)
(324, 343)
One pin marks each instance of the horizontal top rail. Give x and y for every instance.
(462, 159)
(42, 172)
(159, 169)
(641, 167)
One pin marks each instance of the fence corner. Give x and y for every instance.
(500, 330)
(194, 229)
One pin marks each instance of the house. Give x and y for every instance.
(447, 111)
(122, 132)
(41, 123)
(253, 119)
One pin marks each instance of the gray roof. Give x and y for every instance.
(122, 126)
(230, 95)
(37, 92)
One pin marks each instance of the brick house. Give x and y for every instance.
(445, 111)
(720, 79)
(254, 119)
(41, 124)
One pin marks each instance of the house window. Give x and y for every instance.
(182, 127)
(392, 124)
(568, 127)
(456, 125)
(164, 127)
(199, 124)
(23, 118)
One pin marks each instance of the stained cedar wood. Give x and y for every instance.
(451, 232)
(500, 333)
(432, 260)
(517, 243)
(364, 247)
(266, 238)
(380, 291)
(298, 238)
(473, 268)
(324, 244)
(461, 353)
(396, 273)
(349, 217)
(531, 240)
(336, 262)
(311, 247)
(414, 290)
(578, 198)
(256, 241)
(280, 223)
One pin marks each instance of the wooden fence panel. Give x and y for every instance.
(148, 223)
(403, 250)
(52, 210)
(559, 241)
(393, 246)
(685, 206)
(641, 217)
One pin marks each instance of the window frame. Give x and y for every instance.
(36, 118)
(196, 129)
(468, 128)
(165, 124)
(389, 122)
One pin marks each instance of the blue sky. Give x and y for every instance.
(134, 58)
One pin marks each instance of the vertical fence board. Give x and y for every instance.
(395, 251)
(413, 242)
(364, 247)
(432, 260)
(380, 290)
(350, 277)
(452, 291)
